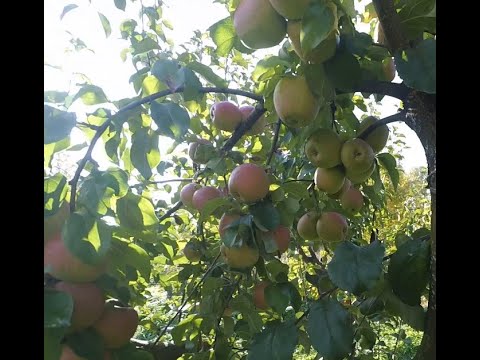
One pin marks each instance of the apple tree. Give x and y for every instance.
(240, 207)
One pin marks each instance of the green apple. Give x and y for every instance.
(323, 148)
(357, 156)
(329, 180)
(378, 138)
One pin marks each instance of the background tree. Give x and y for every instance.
(203, 228)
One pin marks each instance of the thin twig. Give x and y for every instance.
(161, 182)
(170, 211)
(326, 293)
(275, 141)
(400, 116)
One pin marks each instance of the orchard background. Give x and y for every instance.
(137, 269)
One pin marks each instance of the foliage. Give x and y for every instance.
(334, 299)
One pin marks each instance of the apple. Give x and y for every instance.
(378, 138)
(332, 227)
(307, 225)
(69, 354)
(323, 148)
(259, 125)
(294, 102)
(329, 180)
(198, 149)
(192, 252)
(259, 295)
(258, 25)
(249, 183)
(351, 200)
(186, 194)
(240, 257)
(225, 221)
(63, 265)
(203, 195)
(389, 69)
(225, 116)
(281, 236)
(322, 52)
(291, 10)
(227, 312)
(88, 302)
(361, 177)
(357, 156)
(53, 224)
(117, 325)
(345, 187)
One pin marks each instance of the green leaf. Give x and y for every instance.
(86, 344)
(330, 329)
(121, 4)
(168, 72)
(127, 253)
(192, 85)
(52, 347)
(408, 271)
(57, 309)
(417, 17)
(67, 9)
(212, 206)
(172, 120)
(144, 152)
(276, 298)
(276, 341)
(57, 124)
(136, 212)
(357, 43)
(343, 70)
(86, 238)
(354, 268)
(412, 315)
(143, 46)
(418, 66)
(317, 23)
(244, 305)
(297, 189)
(390, 164)
(265, 215)
(106, 24)
(54, 191)
(223, 35)
(207, 73)
(130, 352)
(91, 95)
(319, 82)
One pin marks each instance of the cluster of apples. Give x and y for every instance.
(116, 325)
(340, 165)
(248, 184)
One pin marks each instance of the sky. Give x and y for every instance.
(105, 68)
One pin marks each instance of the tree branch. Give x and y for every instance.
(161, 182)
(391, 24)
(275, 141)
(170, 211)
(399, 91)
(400, 116)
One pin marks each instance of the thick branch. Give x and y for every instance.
(275, 141)
(400, 116)
(391, 24)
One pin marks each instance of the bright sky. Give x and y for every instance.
(105, 67)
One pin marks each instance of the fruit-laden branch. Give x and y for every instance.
(400, 116)
(399, 91)
(391, 24)
(210, 268)
(243, 128)
(147, 99)
(275, 141)
(170, 212)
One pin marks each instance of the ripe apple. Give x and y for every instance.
(63, 265)
(192, 252)
(378, 138)
(329, 180)
(258, 25)
(259, 125)
(294, 102)
(249, 183)
(69, 354)
(351, 200)
(291, 10)
(204, 195)
(197, 151)
(323, 52)
(186, 194)
(323, 148)
(117, 325)
(281, 236)
(226, 220)
(259, 295)
(332, 227)
(240, 257)
(361, 177)
(88, 302)
(225, 116)
(357, 156)
(307, 225)
(345, 187)
(53, 224)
